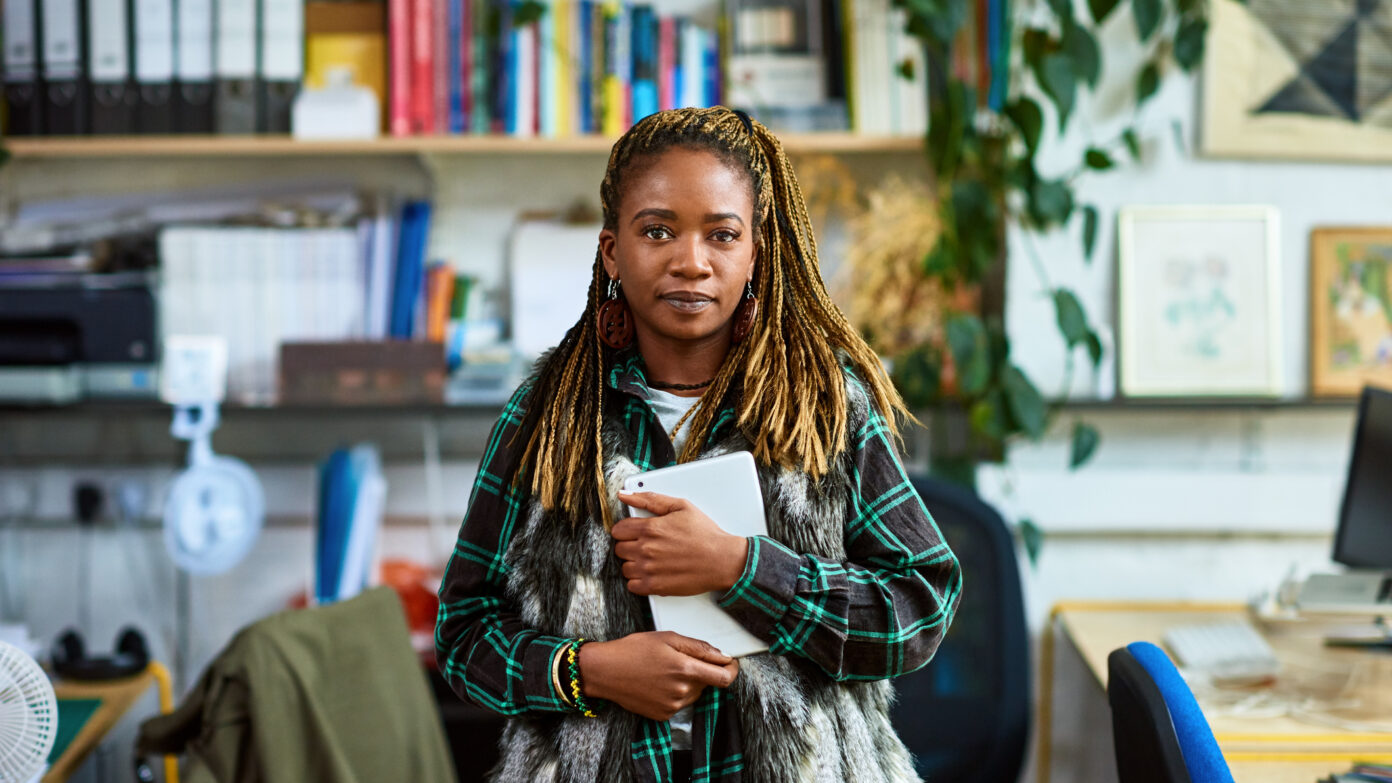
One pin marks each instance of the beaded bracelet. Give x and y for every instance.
(573, 658)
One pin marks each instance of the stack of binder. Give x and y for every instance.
(75, 67)
(352, 495)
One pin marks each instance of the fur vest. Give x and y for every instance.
(797, 724)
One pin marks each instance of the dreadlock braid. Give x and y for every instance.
(792, 406)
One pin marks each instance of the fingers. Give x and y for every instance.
(710, 674)
(696, 648)
(628, 529)
(652, 501)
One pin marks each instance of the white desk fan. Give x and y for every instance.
(28, 716)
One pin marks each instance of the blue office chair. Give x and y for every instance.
(965, 716)
(1159, 732)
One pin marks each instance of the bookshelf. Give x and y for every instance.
(52, 147)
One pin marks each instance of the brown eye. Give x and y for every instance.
(656, 232)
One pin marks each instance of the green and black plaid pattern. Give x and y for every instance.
(877, 614)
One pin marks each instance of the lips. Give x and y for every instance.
(687, 301)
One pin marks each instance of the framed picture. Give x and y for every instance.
(1350, 310)
(1199, 301)
(1298, 79)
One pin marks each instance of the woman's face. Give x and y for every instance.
(683, 245)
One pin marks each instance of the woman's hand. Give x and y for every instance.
(678, 552)
(654, 673)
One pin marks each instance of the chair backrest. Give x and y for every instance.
(966, 715)
(1159, 731)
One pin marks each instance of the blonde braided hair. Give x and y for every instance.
(793, 409)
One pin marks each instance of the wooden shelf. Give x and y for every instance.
(213, 146)
(1206, 404)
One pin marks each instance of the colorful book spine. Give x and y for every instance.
(500, 67)
(422, 66)
(564, 76)
(611, 111)
(584, 47)
(399, 76)
(547, 72)
(465, 43)
(442, 44)
(481, 112)
(645, 97)
(454, 73)
(666, 63)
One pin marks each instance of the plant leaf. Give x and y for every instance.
(947, 126)
(1147, 13)
(1051, 202)
(1063, 8)
(966, 337)
(1026, 403)
(905, 69)
(1189, 43)
(1147, 83)
(1133, 143)
(1028, 118)
(988, 416)
(1097, 159)
(1094, 348)
(940, 261)
(1036, 44)
(1082, 49)
(1085, 440)
(1033, 539)
(1101, 9)
(1060, 84)
(526, 12)
(1072, 322)
(918, 376)
(1089, 230)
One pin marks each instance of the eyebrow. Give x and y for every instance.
(667, 214)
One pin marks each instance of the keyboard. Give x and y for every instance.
(1232, 652)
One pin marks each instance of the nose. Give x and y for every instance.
(689, 258)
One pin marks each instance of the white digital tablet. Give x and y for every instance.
(726, 489)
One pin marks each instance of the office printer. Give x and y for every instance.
(65, 337)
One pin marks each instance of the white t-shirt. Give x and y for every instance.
(669, 409)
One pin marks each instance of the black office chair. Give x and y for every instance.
(1159, 732)
(965, 716)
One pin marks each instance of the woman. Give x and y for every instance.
(708, 330)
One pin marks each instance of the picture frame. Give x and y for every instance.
(1350, 310)
(1287, 80)
(1199, 301)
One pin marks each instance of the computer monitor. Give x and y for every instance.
(1364, 536)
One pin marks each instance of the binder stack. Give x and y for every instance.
(23, 86)
(109, 57)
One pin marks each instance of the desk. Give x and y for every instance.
(1277, 748)
(117, 696)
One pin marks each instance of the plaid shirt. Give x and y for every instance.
(878, 614)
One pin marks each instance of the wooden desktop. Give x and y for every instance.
(1269, 749)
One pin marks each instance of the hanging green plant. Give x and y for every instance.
(982, 148)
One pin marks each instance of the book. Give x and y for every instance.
(726, 489)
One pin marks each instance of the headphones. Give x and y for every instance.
(70, 660)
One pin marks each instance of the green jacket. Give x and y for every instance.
(332, 694)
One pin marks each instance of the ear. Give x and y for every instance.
(606, 253)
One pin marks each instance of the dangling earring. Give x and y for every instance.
(615, 321)
(745, 314)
